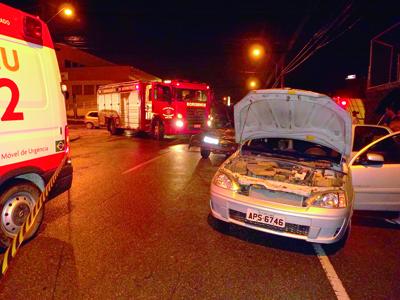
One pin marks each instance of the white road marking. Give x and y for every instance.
(144, 163)
(333, 278)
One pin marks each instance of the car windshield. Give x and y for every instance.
(301, 150)
(190, 95)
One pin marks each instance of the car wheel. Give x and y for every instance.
(89, 125)
(158, 130)
(16, 203)
(205, 153)
(113, 127)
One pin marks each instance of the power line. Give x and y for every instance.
(320, 39)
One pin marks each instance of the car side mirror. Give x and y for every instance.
(374, 159)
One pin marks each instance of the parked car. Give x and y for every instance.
(215, 140)
(292, 174)
(92, 119)
(218, 141)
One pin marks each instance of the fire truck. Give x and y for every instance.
(171, 107)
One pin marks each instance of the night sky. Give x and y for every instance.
(207, 40)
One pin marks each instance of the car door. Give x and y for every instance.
(376, 175)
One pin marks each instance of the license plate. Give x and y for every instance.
(256, 216)
(197, 125)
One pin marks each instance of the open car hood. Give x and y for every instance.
(294, 114)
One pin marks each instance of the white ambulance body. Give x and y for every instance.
(33, 125)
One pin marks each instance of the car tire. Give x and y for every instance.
(205, 153)
(113, 128)
(16, 202)
(89, 125)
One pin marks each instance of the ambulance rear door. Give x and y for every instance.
(32, 109)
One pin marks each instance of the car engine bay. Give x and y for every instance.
(312, 174)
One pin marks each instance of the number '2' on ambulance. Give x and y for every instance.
(33, 127)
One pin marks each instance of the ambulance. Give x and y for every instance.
(33, 127)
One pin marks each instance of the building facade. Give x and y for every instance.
(83, 73)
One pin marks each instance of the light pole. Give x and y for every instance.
(257, 53)
(67, 12)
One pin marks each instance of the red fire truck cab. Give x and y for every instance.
(171, 107)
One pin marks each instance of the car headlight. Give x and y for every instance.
(210, 140)
(328, 200)
(225, 181)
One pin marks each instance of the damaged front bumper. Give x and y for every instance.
(312, 224)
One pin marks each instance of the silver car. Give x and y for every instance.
(291, 175)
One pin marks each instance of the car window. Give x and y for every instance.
(93, 114)
(190, 95)
(389, 148)
(162, 93)
(364, 135)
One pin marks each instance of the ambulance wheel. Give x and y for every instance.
(205, 153)
(158, 130)
(16, 203)
(112, 127)
(89, 125)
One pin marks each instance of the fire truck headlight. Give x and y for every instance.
(209, 123)
(179, 123)
(179, 116)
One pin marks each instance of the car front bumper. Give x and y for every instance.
(311, 224)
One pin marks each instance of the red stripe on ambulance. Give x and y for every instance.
(45, 163)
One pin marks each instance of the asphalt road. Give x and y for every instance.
(136, 225)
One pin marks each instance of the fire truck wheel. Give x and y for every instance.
(205, 153)
(16, 202)
(113, 127)
(158, 130)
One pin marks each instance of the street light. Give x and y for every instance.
(66, 10)
(253, 83)
(256, 51)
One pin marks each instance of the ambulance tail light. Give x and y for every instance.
(33, 30)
